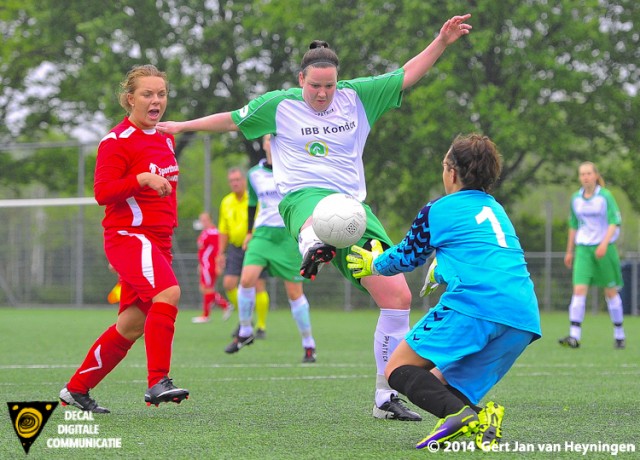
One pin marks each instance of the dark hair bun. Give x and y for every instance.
(318, 44)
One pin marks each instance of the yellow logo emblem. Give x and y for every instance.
(29, 418)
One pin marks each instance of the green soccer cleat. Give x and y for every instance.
(489, 431)
(463, 422)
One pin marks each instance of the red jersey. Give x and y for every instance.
(208, 247)
(123, 154)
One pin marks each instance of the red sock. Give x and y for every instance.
(221, 301)
(158, 339)
(103, 356)
(207, 299)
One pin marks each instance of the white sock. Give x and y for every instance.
(246, 305)
(614, 304)
(576, 315)
(300, 313)
(392, 326)
(307, 238)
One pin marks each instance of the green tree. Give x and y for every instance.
(553, 83)
(539, 78)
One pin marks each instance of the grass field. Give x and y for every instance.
(263, 403)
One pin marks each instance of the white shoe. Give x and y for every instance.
(227, 312)
(200, 319)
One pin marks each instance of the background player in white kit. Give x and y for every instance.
(270, 246)
(319, 134)
(594, 226)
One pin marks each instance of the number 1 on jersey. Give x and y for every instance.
(487, 214)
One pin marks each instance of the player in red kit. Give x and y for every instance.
(136, 178)
(208, 248)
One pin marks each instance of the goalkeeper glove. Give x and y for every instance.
(360, 261)
(430, 283)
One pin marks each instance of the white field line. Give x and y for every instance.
(197, 366)
(518, 371)
(516, 366)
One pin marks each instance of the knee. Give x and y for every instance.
(134, 333)
(389, 292)
(398, 377)
(610, 293)
(294, 290)
(170, 295)
(229, 284)
(388, 371)
(580, 289)
(261, 285)
(248, 280)
(404, 298)
(130, 328)
(398, 299)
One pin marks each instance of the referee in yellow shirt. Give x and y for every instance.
(233, 224)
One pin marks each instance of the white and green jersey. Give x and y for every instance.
(321, 149)
(263, 193)
(591, 217)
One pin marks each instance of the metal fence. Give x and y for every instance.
(53, 256)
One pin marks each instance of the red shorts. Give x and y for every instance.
(143, 262)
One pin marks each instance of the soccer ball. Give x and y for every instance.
(339, 220)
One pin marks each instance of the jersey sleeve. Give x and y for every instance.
(412, 252)
(257, 118)
(253, 204)
(378, 94)
(111, 183)
(215, 243)
(223, 224)
(573, 219)
(613, 212)
(253, 196)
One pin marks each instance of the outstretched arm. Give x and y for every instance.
(419, 65)
(217, 123)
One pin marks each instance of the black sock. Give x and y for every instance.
(425, 390)
(463, 398)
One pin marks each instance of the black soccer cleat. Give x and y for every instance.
(394, 409)
(569, 342)
(239, 342)
(317, 255)
(81, 401)
(165, 391)
(309, 355)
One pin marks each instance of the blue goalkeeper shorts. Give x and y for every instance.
(473, 354)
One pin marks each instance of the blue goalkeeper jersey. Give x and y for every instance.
(479, 258)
